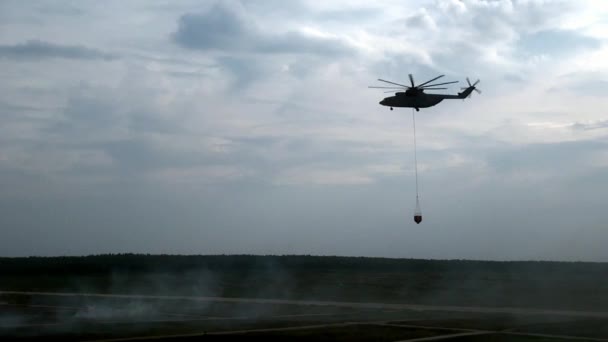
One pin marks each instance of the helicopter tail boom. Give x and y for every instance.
(467, 91)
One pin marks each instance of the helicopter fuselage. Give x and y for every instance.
(420, 100)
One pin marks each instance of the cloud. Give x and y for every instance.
(296, 146)
(37, 49)
(245, 70)
(421, 20)
(475, 37)
(585, 126)
(343, 15)
(64, 9)
(548, 160)
(556, 42)
(583, 83)
(228, 29)
(322, 177)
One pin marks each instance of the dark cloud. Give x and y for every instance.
(244, 70)
(226, 29)
(219, 28)
(37, 49)
(590, 126)
(421, 20)
(515, 78)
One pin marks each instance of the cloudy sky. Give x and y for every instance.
(205, 127)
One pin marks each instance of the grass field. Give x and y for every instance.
(82, 318)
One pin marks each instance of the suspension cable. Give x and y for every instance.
(415, 153)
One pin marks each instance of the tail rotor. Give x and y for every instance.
(471, 85)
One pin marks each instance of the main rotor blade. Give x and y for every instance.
(411, 80)
(401, 85)
(434, 79)
(385, 87)
(434, 88)
(438, 84)
(391, 91)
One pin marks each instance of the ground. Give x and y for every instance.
(75, 317)
(299, 298)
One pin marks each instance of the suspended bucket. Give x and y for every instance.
(417, 212)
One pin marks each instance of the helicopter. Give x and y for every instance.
(415, 97)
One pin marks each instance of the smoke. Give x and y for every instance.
(9, 317)
(131, 310)
(11, 320)
(264, 278)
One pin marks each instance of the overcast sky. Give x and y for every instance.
(206, 127)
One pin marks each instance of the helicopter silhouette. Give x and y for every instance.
(414, 96)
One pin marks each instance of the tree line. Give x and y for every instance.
(143, 263)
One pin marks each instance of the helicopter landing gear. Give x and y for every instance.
(391, 108)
